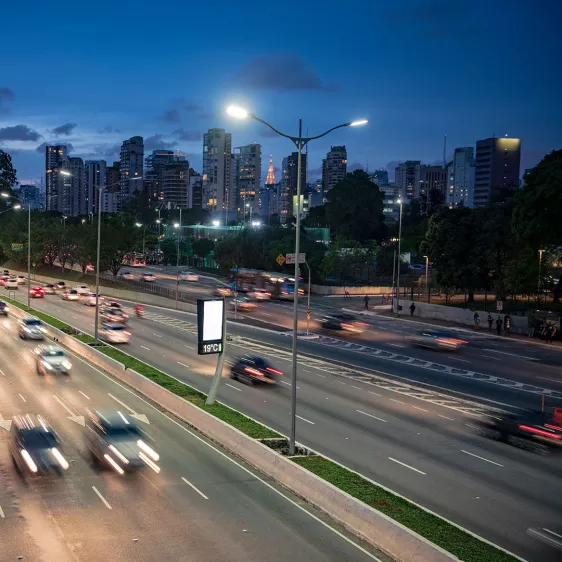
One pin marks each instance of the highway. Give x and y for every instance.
(202, 505)
(416, 442)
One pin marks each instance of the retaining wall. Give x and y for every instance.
(367, 290)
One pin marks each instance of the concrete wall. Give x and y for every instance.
(519, 324)
(367, 290)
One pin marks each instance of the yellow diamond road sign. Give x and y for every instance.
(280, 259)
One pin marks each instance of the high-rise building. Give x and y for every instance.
(217, 171)
(391, 194)
(380, 177)
(132, 157)
(30, 194)
(175, 183)
(433, 178)
(111, 195)
(288, 182)
(153, 174)
(269, 200)
(459, 190)
(334, 167)
(54, 163)
(247, 177)
(270, 180)
(96, 177)
(74, 193)
(497, 168)
(195, 190)
(408, 177)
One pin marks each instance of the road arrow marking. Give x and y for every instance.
(140, 417)
(73, 417)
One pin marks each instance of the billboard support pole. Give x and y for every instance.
(220, 363)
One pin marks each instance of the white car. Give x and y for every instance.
(189, 276)
(49, 289)
(51, 359)
(11, 283)
(31, 328)
(259, 295)
(82, 289)
(149, 277)
(22, 279)
(128, 276)
(90, 299)
(114, 333)
(72, 295)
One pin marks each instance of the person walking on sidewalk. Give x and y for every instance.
(507, 325)
(476, 320)
(490, 322)
(412, 309)
(366, 299)
(499, 323)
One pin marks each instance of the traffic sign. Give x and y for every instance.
(499, 305)
(308, 312)
(291, 258)
(280, 259)
(17, 247)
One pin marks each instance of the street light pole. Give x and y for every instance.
(300, 143)
(539, 280)
(28, 257)
(426, 277)
(178, 264)
(96, 321)
(398, 261)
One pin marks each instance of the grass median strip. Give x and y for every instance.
(41, 315)
(438, 531)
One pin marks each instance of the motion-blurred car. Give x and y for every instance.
(127, 275)
(60, 285)
(72, 295)
(51, 359)
(259, 294)
(189, 276)
(112, 304)
(35, 447)
(342, 321)
(253, 370)
(90, 267)
(49, 289)
(548, 536)
(114, 315)
(37, 292)
(116, 441)
(437, 339)
(90, 299)
(6, 272)
(3, 279)
(537, 431)
(223, 292)
(31, 328)
(112, 332)
(22, 279)
(4, 308)
(11, 283)
(148, 277)
(82, 289)
(243, 303)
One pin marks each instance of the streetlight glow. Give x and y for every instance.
(65, 172)
(16, 206)
(176, 225)
(138, 224)
(216, 223)
(237, 112)
(4, 194)
(358, 122)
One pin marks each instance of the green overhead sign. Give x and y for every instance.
(17, 247)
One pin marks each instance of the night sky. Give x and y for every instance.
(94, 73)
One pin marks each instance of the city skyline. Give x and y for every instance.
(514, 94)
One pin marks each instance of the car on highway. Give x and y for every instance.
(90, 299)
(115, 315)
(112, 304)
(128, 276)
(437, 339)
(22, 279)
(6, 272)
(416, 266)
(71, 295)
(51, 359)
(60, 285)
(223, 292)
(31, 328)
(115, 441)
(243, 303)
(113, 332)
(37, 292)
(252, 370)
(259, 295)
(50, 289)
(189, 276)
(4, 308)
(534, 430)
(82, 289)
(35, 447)
(342, 321)
(3, 279)
(148, 277)
(11, 283)
(90, 267)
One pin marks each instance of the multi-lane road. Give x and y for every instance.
(202, 505)
(412, 439)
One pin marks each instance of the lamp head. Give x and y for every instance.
(358, 122)
(237, 112)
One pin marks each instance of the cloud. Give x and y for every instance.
(106, 151)
(282, 72)
(185, 105)
(41, 147)
(267, 133)
(314, 174)
(156, 142)
(185, 135)
(19, 133)
(171, 115)
(6, 98)
(108, 129)
(63, 130)
(355, 166)
(208, 115)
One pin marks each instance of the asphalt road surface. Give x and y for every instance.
(417, 442)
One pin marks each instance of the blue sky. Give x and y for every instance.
(92, 74)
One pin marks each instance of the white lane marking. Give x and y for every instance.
(16, 338)
(84, 395)
(2, 513)
(238, 389)
(229, 459)
(512, 354)
(63, 404)
(542, 378)
(341, 382)
(157, 335)
(141, 417)
(2, 373)
(196, 489)
(490, 357)
(144, 347)
(188, 346)
(457, 359)
(399, 401)
(75, 317)
(418, 408)
(552, 532)
(106, 503)
(21, 396)
(358, 388)
(481, 458)
(304, 419)
(371, 416)
(182, 364)
(396, 345)
(289, 384)
(406, 465)
(375, 393)
(266, 314)
(471, 426)
(445, 417)
(319, 375)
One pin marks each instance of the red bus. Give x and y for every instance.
(134, 259)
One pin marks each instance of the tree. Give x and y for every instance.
(8, 176)
(202, 247)
(118, 237)
(86, 246)
(343, 255)
(316, 217)
(355, 208)
(431, 202)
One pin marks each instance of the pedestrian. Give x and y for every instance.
(550, 330)
(499, 323)
(412, 309)
(490, 322)
(366, 299)
(507, 325)
(476, 320)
